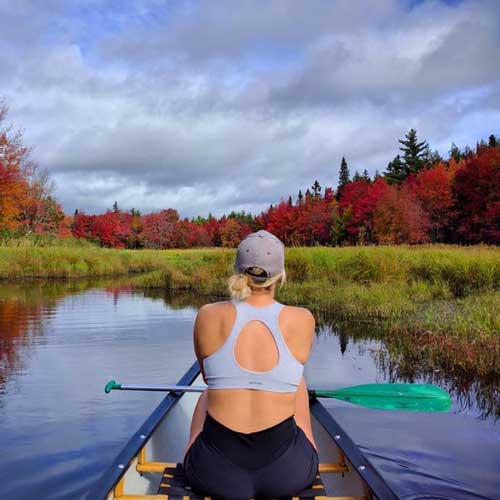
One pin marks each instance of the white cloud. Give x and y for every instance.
(218, 106)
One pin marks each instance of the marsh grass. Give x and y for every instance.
(441, 303)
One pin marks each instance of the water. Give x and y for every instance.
(60, 343)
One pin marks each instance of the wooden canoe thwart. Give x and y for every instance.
(149, 468)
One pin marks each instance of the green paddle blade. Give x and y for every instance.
(408, 397)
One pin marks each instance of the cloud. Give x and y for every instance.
(213, 106)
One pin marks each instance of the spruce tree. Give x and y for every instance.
(356, 176)
(115, 207)
(434, 158)
(300, 198)
(290, 202)
(415, 153)
(396, 171)
(316, 189)
(366, 176)
(493, 141)
(455, 152)
(344, 177)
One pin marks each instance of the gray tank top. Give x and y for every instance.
(222, 371)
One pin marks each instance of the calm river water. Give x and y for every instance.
(60, 343)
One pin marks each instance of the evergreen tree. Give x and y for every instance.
(377, 175)
(308, 195)
(366, 175)
(434, 158)
(76, 212)
(316, 189)
(467, 152)
(396, 171)
(115, 207)
(300, 198)
(415, 153)
(290, 202)
(134, 212)
(356, 177)
(455, 152)
(344, 177)
(493, 141)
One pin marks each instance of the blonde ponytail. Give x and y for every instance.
(241, 285)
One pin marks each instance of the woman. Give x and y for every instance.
(251, 430)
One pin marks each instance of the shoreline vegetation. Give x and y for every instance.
(440, 302)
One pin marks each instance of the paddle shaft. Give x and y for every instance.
(410, 397)
(160, 388)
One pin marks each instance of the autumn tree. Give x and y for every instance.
(13, 186)
(26, 193)
(359, 200)
(398, 218)
(477, 193)
(433, 190)
(232, 232)
(159, 228)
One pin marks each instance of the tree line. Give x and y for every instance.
(419, 198)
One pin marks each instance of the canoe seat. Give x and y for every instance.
(175, 486)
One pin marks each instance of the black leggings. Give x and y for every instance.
(276, 462)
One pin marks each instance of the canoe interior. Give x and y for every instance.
(167, 444)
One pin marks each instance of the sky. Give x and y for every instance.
(219, 105)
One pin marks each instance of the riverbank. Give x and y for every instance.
(441, 302)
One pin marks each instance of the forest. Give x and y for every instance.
(419, 197)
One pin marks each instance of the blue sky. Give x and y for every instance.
(210, 106)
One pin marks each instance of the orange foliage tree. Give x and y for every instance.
(398, 218)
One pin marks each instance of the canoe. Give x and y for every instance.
(148, 467)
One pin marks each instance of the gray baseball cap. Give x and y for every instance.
(263, 251)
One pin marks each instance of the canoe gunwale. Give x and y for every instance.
(352, 452)
(114, 473)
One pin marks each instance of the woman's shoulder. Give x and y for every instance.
(300, 314)
(214, 309)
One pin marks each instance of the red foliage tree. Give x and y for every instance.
(398, 218)
(433, 190)
(358, 200)
(477, 193)
(314, 219)
(159, 228)
(282, 222)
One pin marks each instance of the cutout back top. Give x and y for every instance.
(222, 370)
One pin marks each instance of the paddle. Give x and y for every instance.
(408, 397)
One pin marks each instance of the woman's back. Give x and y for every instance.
(251, 430)
(257, 341)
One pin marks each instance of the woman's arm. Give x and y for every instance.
(302, 412)
(199, 326)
